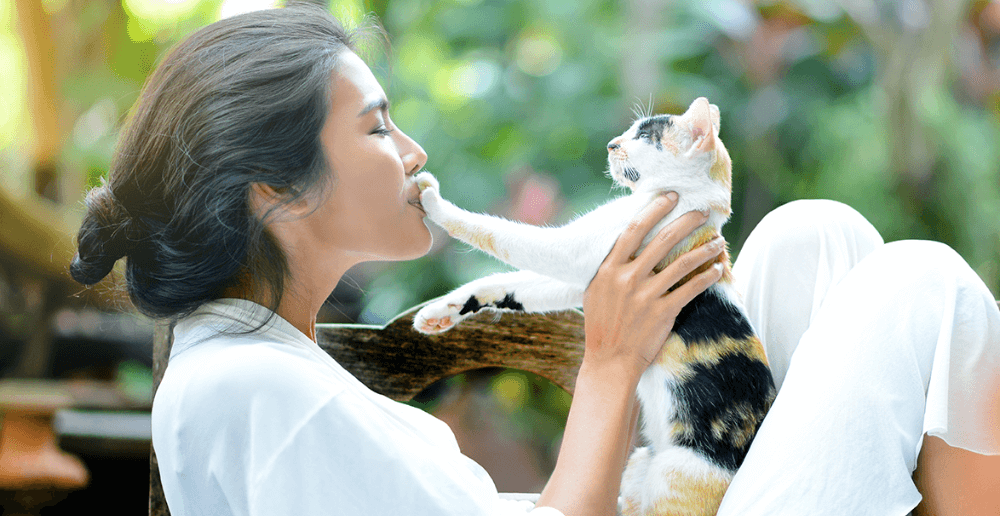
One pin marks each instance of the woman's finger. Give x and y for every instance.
(688, 263)
(696, 285)
(668, 237)
(628, 242)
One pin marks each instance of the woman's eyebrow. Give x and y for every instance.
(381, 103)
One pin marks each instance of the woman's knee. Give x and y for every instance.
(810, 233)
(805, 219)
(922, 261)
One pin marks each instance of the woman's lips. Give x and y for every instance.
(416, 204)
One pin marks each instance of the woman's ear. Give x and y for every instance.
(265, 198)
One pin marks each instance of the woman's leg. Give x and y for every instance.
(790, 261)
(955, 481)
(908, 329)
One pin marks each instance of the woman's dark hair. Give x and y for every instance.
(240, 101)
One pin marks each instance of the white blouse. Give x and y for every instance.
(267, 423)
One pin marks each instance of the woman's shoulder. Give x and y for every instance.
(242, 364)
(233, 374)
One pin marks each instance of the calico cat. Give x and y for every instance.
(708, 390)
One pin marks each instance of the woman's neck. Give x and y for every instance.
(299, 304)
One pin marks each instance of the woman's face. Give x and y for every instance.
(371, 208)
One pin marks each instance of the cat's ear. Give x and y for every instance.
(704, 122)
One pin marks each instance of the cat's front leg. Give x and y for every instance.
(571, 253)
(518, 291)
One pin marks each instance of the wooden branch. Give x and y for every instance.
(399, 362)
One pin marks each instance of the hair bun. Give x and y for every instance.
(104, 237)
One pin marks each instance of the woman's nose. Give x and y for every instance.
(414, 158)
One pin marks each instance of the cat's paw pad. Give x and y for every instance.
(438, 317)
(426, 180)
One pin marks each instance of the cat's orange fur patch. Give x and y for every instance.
(483, 241)
(631, 508)
(721, 170)
(696, 239)
(736, 426)
(693, 495)
(668, 143)
(677, 357)
(721, 208)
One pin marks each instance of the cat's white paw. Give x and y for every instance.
(430, 196)
(426, 180)
(438, 317)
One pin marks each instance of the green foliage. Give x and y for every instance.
(502, 90)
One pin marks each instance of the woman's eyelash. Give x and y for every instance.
(382, 130)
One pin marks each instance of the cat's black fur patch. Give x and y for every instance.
(709, 317)
(652, 128)
(736, 391)
(472, 305)
(631, 174)
(509, 303)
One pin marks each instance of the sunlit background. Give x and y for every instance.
(891, 106)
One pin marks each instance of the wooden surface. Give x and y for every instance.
(398, 362)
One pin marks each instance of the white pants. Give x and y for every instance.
(872, 346)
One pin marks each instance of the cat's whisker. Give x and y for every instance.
(637, 110)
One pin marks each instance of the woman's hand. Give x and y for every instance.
(628, 315)
(628, 311)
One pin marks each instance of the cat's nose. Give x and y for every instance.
(612, 146)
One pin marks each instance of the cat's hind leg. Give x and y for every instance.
(633, 481)
(518, 291)
(679, 482)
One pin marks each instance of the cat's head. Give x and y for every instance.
(677, 152)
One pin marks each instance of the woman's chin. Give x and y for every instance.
(419, 245)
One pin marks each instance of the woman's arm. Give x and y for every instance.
(628, 316)
(955, 481)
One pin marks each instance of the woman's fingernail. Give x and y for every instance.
(671, 196)
(717, 243)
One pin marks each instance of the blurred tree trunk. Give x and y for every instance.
(37, 239)
(44, 101)
(914, 40)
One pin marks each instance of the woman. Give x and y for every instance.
(259, 164)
